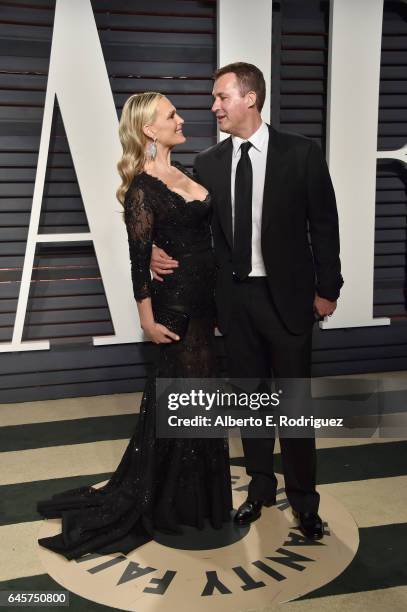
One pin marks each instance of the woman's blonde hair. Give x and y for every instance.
(138, 111)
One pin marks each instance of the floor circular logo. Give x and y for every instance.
(230, 569)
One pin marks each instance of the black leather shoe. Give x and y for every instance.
(250, 511)
(310, 524)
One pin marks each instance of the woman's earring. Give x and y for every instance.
(152, 150)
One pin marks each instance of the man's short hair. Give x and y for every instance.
(249, 78)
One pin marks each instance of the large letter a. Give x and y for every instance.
(78, 77)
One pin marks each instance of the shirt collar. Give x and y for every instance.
(258, 139)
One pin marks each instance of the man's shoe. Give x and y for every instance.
(310, 524)
(250, 511)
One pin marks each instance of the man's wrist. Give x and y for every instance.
(327, 295)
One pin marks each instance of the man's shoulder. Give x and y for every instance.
(214, 151)
(291, 139)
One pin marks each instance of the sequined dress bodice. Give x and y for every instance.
(157, 215)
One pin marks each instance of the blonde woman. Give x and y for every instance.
(160, 484)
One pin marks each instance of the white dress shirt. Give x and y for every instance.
(258, 158)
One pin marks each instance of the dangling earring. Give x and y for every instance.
(151, 153)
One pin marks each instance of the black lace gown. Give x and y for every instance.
(160, 484)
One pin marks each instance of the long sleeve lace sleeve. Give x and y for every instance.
(139, 219)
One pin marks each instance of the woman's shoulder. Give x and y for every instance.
(141, 190)
(181, 167)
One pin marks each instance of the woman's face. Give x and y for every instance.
(167, 126)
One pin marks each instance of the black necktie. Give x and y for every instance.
(242, 235)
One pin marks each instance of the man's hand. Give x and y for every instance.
(323, 307)
(161, 263)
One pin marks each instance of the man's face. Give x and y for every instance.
(231, 108)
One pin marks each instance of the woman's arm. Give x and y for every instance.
(139, 219)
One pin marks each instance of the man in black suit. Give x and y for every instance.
(269, 189)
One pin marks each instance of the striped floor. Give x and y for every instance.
(60, 444)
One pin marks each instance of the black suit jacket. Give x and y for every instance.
(298, 195)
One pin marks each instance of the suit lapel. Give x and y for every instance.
(223, 195)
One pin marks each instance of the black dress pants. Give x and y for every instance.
(258, 345)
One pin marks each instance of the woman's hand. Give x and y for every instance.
(159, 334)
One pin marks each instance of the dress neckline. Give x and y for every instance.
(176, 192)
